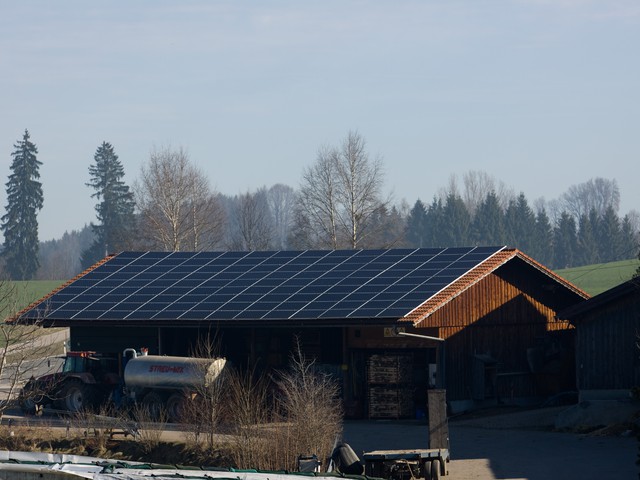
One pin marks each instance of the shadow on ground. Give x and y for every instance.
(515, 445)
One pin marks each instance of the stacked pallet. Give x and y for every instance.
(386, 369)
(390, 386)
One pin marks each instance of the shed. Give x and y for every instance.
(388, 324)
(607, 342)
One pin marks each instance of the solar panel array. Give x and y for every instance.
(336, 284)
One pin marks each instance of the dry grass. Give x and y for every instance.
(274, 421)
(78, 440)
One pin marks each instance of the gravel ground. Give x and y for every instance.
(508, 446)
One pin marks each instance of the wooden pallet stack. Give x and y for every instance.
(390, 389)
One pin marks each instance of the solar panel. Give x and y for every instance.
(261, 285)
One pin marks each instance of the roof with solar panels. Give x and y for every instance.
(262, 286)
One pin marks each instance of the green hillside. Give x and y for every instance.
(599, 277)
(14, 296)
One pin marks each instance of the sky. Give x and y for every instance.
(539, 94)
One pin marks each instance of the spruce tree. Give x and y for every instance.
(543, 246)
(609, 236)
(488, 223)
(565, 242)
(20, 223)
(416, 225)
(434, 221)
(628, 240)
(588, 246)
(115, 210)
(456, 223)
(520, 223)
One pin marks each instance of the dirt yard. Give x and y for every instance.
(509, 446)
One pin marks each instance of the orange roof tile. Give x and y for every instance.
(56, 290)
(476, 274)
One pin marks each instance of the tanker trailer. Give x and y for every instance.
(163, 382)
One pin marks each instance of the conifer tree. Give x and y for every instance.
(543, 246)
(456, 222)
(565, 241)
(416, 232)
(20, 223)
(488, 223)
(115, 210)
(434, 225)
(628, 240)
(609, 236)
(524, 227)
(588, 247)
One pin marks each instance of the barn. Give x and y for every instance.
(388, 324)
(607, 352)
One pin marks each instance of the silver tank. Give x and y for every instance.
(153, 371)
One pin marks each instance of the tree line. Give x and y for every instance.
(339, 204)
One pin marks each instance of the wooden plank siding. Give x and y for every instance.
(501, 316)
(607, 352)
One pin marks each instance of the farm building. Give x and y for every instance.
(479, 321)
(607, 351)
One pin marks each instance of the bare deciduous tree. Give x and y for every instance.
(178, 210)
(248, 415)
(595, 194)
(309, 402)
(281, 200)
(316, 216)
(253, 222)
(202, 409)
(339, 196)
(24, 350)
(476, 185)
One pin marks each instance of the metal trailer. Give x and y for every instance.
(429, 463)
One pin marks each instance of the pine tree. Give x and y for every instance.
(434, 221)
(588, 246)
(609, 236)
(520, 224)
(457, 222)
(20, 223)
(565, 242)
(543, 246)
(115, 210)
(629, 245)
(488, 223)
(416, 225)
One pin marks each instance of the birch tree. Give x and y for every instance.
(339, 197)
(177, 208)
(253, 224)
(281, 199)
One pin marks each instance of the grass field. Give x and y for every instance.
(597, 278)
(14, 296)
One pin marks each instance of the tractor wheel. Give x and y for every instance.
(153, 406)
(31, 404)
(176, 407)
(76, 396)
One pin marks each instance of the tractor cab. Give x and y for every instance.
(104, 369)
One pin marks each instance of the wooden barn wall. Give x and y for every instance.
(607, 353)
(113, 339)
(498, 317)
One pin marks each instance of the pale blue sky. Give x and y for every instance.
(540, 94)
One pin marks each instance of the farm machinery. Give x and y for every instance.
(89, 380)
